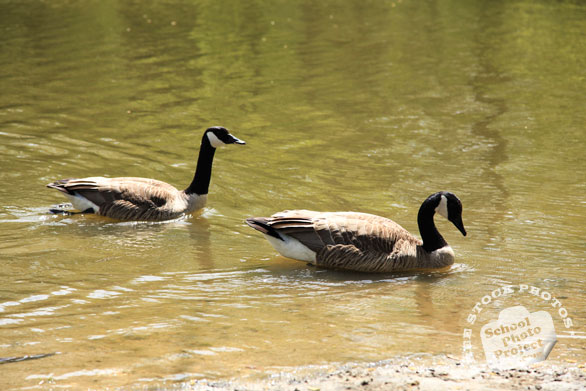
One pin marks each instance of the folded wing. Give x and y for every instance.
(348, 240)
(122, 198)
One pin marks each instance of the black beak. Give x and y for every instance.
(234, 140)
(460, 225)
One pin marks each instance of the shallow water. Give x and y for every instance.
(344, 106)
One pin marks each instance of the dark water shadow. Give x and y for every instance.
(487, 78)
(8, 360)
(306, 271)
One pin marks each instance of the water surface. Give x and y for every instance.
(366, 106)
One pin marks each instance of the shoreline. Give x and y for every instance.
(408, 373)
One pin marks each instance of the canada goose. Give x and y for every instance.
(128, 198)
(363, 242)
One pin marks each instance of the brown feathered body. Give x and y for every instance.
(348, 241)
(129, 198)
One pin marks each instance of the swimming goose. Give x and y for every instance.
(128, 198)
(363, 242)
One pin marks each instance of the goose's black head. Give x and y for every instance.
(219, 136)
(449, 206)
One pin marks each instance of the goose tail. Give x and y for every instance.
(59, 185)
(261, 224)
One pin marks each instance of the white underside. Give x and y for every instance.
(292, 248)
(444, 250)
(81, 203)
(195, 202)
(442, 256)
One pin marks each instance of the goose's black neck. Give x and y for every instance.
(203, 171)
(432, 240)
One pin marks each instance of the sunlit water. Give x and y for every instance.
(344, 106)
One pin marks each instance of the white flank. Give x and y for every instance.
(214, 140)
(81, 203)
(292, 248)
(442, 208)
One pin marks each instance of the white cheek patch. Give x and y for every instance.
(214, 140)
(442, 208)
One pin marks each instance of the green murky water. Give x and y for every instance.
(366, 106)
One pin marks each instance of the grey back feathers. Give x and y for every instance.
(360, 241)
(130, 198)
